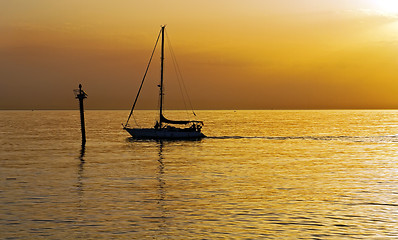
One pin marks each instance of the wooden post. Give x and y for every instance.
(82, 95)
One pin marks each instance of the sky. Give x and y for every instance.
(253, 54)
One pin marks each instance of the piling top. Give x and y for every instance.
(79, 93)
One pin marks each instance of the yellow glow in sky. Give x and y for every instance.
(256, 54)
(386, 6)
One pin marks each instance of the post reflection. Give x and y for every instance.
(82, 151)
(81, 169)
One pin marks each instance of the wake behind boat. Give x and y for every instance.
(164, 128)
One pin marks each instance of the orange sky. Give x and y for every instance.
(255, 54)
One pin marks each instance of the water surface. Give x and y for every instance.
(259, 174)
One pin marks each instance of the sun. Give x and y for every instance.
(386, 6)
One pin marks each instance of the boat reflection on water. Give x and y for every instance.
(161, 173)
(161, 201)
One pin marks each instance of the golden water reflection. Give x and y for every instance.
(260, 174)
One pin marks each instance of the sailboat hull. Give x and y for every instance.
(164, 133)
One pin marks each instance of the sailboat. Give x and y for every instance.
(164, 128)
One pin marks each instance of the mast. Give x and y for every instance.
(161, 79)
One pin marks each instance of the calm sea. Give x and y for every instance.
(258, 175)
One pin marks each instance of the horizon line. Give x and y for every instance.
(229, 109)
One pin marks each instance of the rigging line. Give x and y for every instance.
(136, 123)
(173, 57)
(182, 79)
(143, 79)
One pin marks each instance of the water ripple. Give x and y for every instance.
(393, 138)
